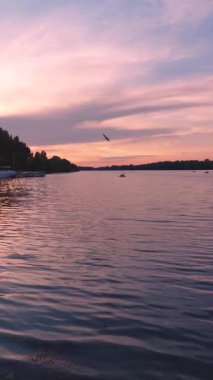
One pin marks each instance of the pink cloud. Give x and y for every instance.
(63, 60)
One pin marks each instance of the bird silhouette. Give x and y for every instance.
(107, 138)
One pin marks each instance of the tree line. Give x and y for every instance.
(162, 165)
(18, 156)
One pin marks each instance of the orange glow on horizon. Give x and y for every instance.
(120, 152)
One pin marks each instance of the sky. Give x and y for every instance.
(140, 71)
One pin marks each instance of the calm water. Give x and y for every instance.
(106, 278)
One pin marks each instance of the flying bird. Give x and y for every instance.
(107, 138)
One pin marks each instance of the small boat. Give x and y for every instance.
(206, 172)
(122, 175)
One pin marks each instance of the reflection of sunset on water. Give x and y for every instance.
(87, 261)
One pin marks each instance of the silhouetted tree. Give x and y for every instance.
(13, 152)
(58, 165)
(164, 165)
(18, 156)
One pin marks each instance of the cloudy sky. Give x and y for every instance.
(140, 71)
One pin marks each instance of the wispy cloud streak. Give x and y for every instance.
(72, 69)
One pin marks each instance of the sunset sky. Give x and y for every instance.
(140, 71)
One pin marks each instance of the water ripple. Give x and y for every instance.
(102, 279)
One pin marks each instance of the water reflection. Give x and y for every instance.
(12, 192)
(105, 279)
